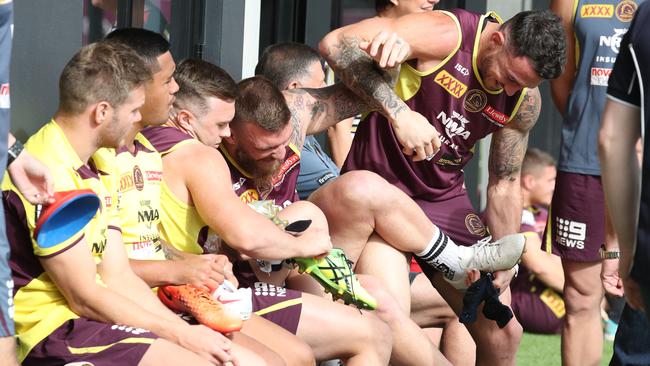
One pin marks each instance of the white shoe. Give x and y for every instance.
(237, 301)
(489, 256)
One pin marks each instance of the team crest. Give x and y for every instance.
(475, 101)
(138, 178)
(475, 225)
(625, 10)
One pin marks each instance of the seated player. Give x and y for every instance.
(537, 290)
(70, 296)
(201, 212)
(140, 177)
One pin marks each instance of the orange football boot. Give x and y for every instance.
(198, 303)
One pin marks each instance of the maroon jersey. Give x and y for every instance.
(284, 183)
(455, 101)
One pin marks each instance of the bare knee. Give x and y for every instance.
(493, 338)
(581, 301)
(360, 188)
(301, 355)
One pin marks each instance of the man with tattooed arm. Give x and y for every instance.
(479, 77)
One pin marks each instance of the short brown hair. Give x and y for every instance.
(197, 80)
(100, 71)
(262, 103)
(534, 160)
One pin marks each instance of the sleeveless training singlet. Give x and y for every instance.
(454, 100)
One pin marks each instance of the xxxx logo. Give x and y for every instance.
(597, 11)
(450, 84)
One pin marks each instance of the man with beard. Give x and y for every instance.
(200, 212)
(471, 82)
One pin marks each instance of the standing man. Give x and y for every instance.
(625, 118)
(578, 215)
(468, 84)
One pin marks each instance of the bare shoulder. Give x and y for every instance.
(528, 111)
(431, 35)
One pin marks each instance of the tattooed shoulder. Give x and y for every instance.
(529, 110)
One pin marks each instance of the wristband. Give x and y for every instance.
(14, 151)
(609, 254)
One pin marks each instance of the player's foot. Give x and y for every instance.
(334, 273)
(199, 304)
(490, 256)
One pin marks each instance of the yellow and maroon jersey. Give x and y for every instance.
(283, 191)
(453, 97)
(139, 179)
(40, 307)
(180, 223)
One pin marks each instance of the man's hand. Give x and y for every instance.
(417, 136)
(502, 279)
(611, 280)
(205, 271)
(316, 242)
(387, 49)
(205, 342)
(32, 178)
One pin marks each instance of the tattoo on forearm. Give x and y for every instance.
(361, 75)
(509, 145)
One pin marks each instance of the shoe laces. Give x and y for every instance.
(344, 272)
(485, 252)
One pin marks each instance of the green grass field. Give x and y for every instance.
(544, 350)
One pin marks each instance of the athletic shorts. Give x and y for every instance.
(457, 218)
(278, 305)
(84, 340)
(541, 311)
(577, 214)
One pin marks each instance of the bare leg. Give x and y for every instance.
(245, 349)
(279, 340)
(411, 346)
(334, 331)
(582, 333)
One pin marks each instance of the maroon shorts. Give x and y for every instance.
(538, 310)
(457, 218)
(278, 305)
(84, 340)
(577, 214)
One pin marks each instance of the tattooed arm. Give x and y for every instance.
(348, 50)
(507, 152)
(314, 110)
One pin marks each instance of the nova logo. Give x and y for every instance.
(148, 215)
(454, 125)
(600, 76)
(613, 41)
(571, 234)
(450, 84)
(596, 11)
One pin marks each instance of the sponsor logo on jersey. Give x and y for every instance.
(613, 41)
(138, 179)
(290, 163)
(475, 101)
(454, 124)
(5, 101)
(495, 116)
(108, 201)
(474, 225)
(450, 84)
(553, 301)
(597, 11)
(98, 247)
(625, 10)
(153, 175)
(265, 289)
(571, 234)
(126, 182)
(462, 69)
(148, 215)
(600, 75)
(249, 195)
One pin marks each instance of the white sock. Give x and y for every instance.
(443, 255)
